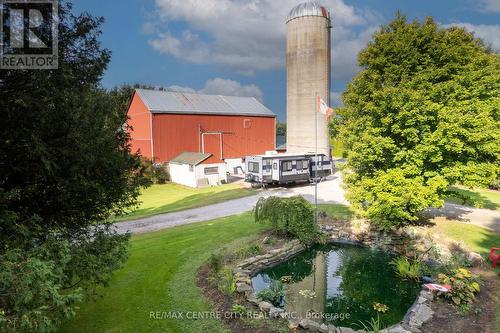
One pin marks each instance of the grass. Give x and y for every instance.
(160, 276)
(337, 211)
(479, 197)
(337, 148)
(477, 238)
(167, 198)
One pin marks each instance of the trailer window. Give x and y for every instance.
(275, 166)
(211, 171)
(305, 164)
(287, 166)
(299, 165)
(253, 167)
(267, 165)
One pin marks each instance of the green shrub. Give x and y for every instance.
(227, 282)
(495, 184)
(274, 294)
(40, 287)
(250, 250)
(464, 286)
(215, 261)
(239, 309)
(269, 240)
(155, 172)
(392, 198)
(406, 269)
(293, 216)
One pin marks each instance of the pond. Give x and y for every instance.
(346, 280)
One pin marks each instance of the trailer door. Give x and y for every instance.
(276, 170)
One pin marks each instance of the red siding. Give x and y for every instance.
(140, 121)
(176, 133)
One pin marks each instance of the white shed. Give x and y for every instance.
(188, 169)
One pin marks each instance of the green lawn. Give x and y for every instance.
(337, 211)
(160, 276)
(166, 198)
(477, 238)
(479, 197)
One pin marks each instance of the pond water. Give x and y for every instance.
(346, 279)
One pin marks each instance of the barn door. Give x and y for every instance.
(212, 144)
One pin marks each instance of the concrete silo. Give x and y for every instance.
(308, 75)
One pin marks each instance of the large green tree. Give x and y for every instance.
(65, 167)
(422, 114)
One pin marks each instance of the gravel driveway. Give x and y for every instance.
(329, 191)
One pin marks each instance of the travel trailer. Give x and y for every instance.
(286, 168)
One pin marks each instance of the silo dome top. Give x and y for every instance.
(308, 9)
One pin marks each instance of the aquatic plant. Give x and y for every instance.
(373, 325)
(308, 293)
(407, 269)
(286, 278)
(274, 294)
(379, 307)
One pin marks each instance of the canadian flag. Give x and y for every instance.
(324, 108)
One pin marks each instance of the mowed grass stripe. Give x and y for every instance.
(160, 276)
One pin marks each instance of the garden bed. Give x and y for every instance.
(421, 313)
(446, 318)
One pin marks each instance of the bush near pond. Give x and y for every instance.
(464, 286)
(290, 216)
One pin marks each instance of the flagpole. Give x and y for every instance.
(316, 162)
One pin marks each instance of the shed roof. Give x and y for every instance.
(191, 158)
(158, 101)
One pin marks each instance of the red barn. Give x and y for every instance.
(166, 124)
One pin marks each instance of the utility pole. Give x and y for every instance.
(316, 162)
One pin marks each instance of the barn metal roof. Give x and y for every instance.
(308, 9)
(158, 101)
(191, 158)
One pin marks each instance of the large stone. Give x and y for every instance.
(239, 270)
(422, 314)
(265, 306)
(332, 329)
(395, 329)
(309, 324)
(345, 330)
(427, 295)
(253, 299)
(475, 258)
(275, 312)
(323, 328)
(292, 325)
(243, 287)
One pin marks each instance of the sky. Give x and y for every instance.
(237, 47)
